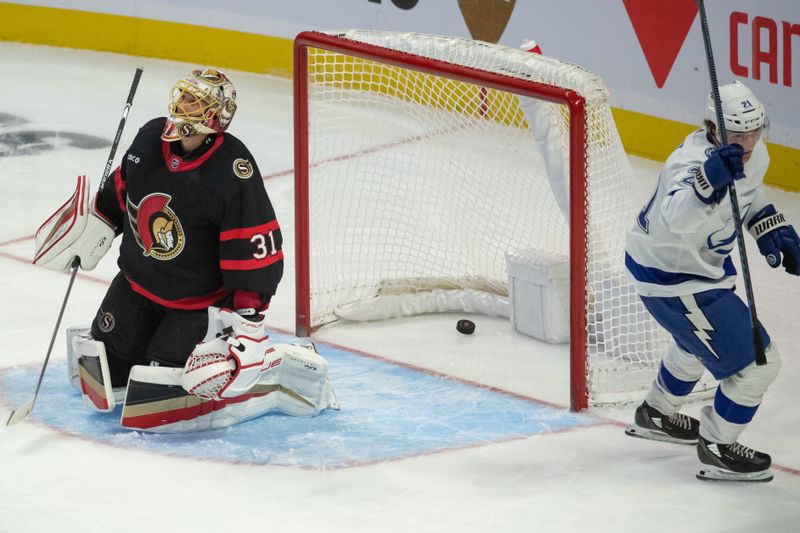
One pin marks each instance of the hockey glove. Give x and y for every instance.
(775, 237)
(724, 165)
(228, 363)
(74, 230)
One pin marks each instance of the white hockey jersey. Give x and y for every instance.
(679, 245)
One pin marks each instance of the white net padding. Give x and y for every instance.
(418, 182)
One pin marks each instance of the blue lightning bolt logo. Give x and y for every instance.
(702, 326)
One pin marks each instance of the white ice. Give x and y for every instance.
(586, 479)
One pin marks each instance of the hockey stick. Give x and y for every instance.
(24, 410)
(758, 342)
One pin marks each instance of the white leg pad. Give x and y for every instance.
(682, 365)
(72, 356)
(745, 388)
(294, 382)
(303, 376)
(93, 376)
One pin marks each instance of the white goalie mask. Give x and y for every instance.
(202, 102)
(741, 111)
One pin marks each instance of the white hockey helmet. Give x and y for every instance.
(202, 102)
(741, 110)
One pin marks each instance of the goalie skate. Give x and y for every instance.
(650, 424)
(732, 462)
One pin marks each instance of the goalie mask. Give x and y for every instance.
(202, 103)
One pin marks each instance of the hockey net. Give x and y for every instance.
(416, 170)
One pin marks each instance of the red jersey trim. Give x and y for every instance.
(175, 163)
(250, 264)
(118, 188)
(250, 299)
(247, 233)
(188, 304)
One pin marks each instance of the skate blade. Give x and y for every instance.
(713, 473)
(643, 433)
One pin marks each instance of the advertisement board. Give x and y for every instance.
(649, 53)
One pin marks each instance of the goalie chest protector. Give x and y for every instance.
(194, 228)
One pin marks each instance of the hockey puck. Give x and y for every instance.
(467, 327)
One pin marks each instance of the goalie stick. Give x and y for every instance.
(758, 342)
(24, 410)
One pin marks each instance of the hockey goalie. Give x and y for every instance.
(180, 338)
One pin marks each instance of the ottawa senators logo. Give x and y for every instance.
(156, 227)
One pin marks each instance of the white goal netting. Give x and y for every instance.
(418, 181)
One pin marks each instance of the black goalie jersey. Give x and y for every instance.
(195, 229)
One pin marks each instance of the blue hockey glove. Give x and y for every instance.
(724, 165)
(775, 237)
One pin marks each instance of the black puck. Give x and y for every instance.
(467, 327)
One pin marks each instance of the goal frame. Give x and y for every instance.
(578, 232)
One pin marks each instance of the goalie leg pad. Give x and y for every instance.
(73, 371)
(93, 374)
(294, 381)
(303, 376)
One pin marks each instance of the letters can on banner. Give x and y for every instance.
(765, 47)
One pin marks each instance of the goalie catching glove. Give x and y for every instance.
(73, 231)
(775, 237)
(229, 360)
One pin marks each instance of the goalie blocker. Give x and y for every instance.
(74, 230)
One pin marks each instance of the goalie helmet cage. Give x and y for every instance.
(415, 170)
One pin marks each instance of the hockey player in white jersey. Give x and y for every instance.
(678, 256)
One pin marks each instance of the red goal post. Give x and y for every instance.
(368, 104)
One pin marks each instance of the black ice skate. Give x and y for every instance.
(649, 423)
(732, 462)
